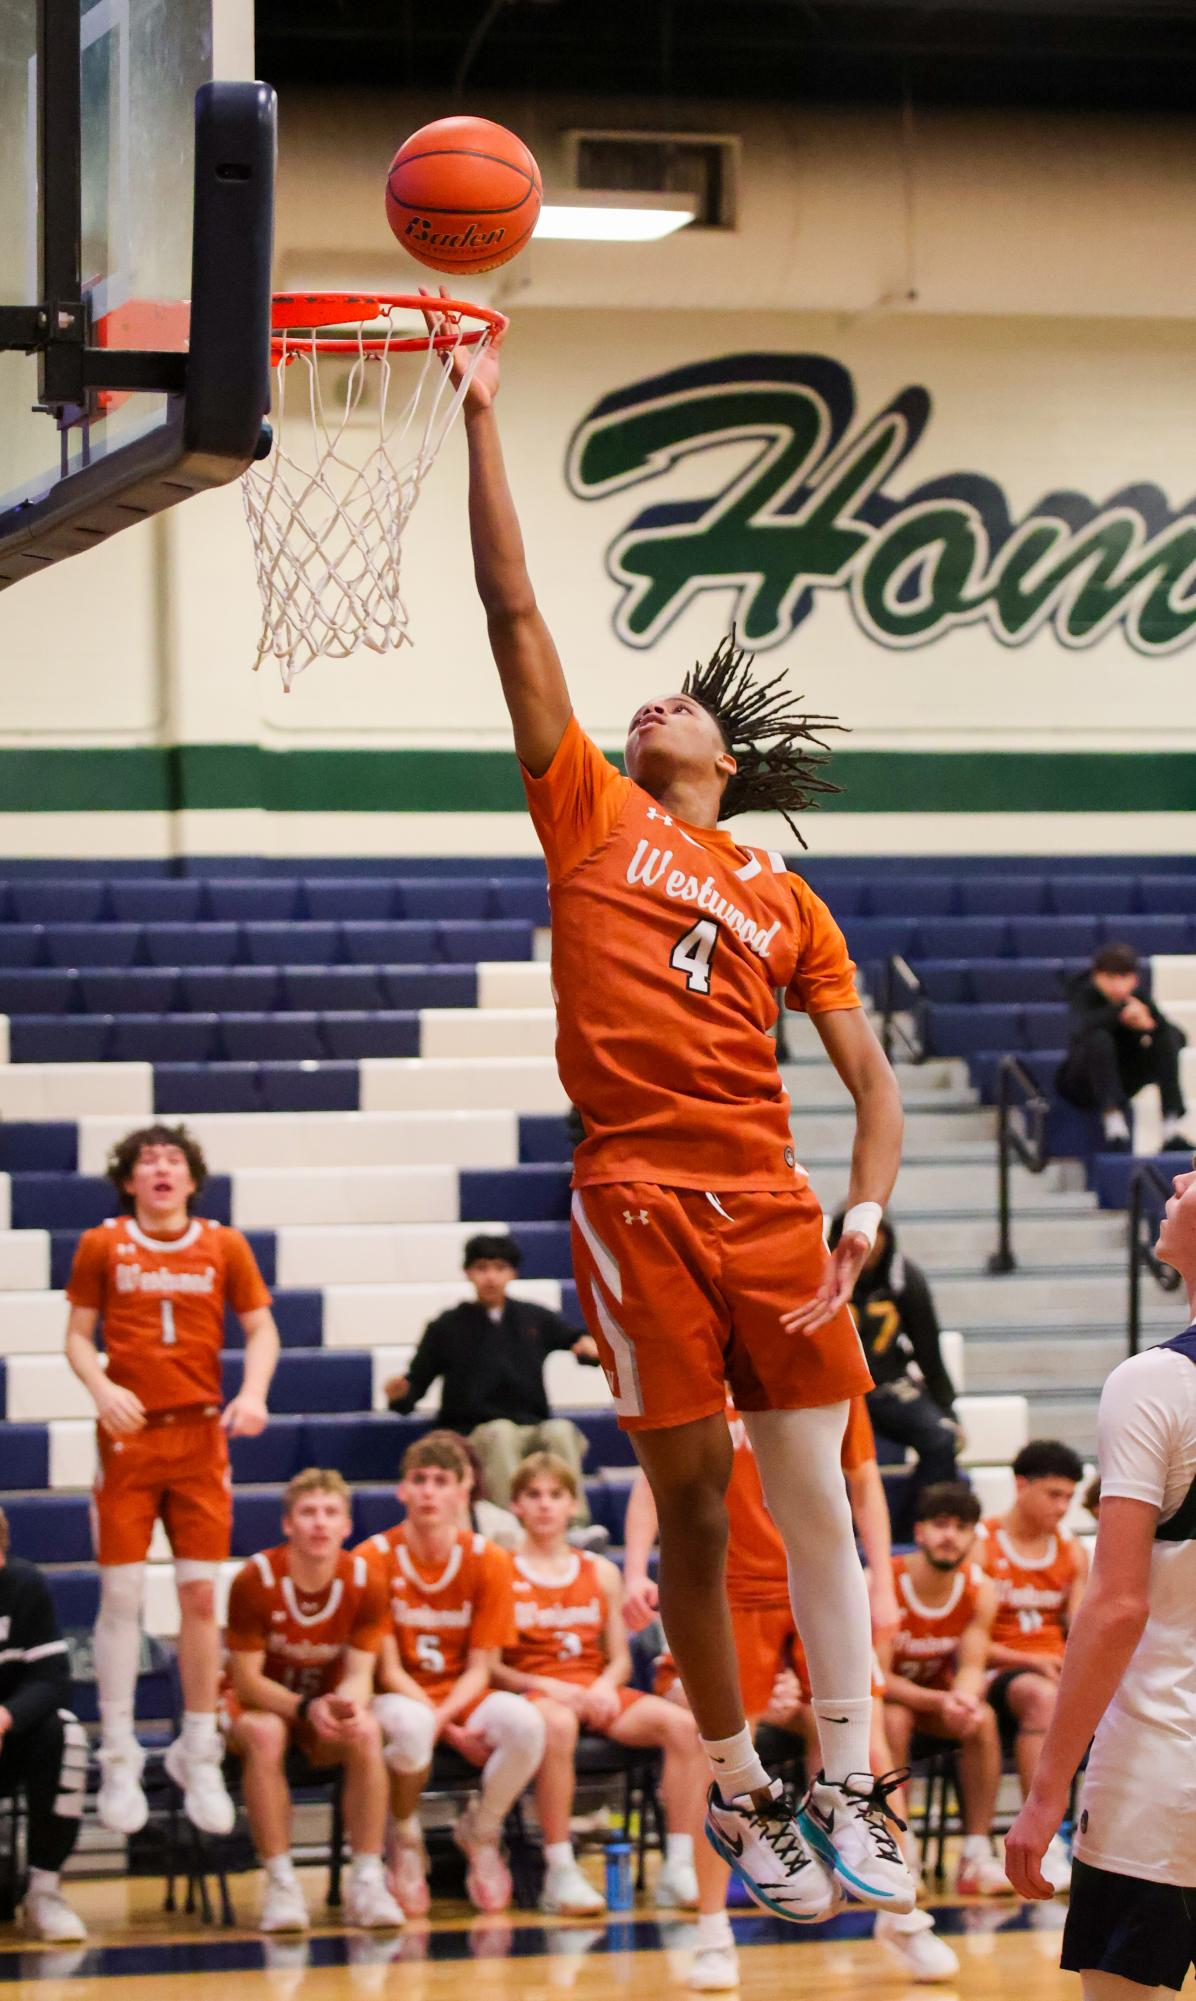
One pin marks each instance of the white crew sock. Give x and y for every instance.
(735, 1765)
(679, 1851)
(1115, 1125)
(201, 1738)
(976, 1847)
(366, 1869)
(714, 1932)
(44, 1883)
(844, 1730)
(558, 1855)
(410, 1830)
(280, 1868)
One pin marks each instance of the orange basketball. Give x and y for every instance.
(463, 194)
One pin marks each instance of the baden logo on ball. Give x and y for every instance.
(463, 194)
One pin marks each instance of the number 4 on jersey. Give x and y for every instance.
(692, 954)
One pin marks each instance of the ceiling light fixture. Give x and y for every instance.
(596, 215)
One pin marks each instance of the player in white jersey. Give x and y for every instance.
(1130, 1675)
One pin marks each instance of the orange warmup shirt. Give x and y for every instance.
(668, 945)
(161, 1304)
(304, 1637)
(440, 1614)
(926, 1643)
(560, 1627)
(757, 1572)
(1031, 1597)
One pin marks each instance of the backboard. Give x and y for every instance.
(129, 167)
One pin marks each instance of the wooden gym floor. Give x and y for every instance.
(137, 1952)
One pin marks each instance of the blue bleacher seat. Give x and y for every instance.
(166, 1038)
(543, 1136)
(257, 901)
(298, 1315)
(50, 1528)
(1051, 937)
(375, 1509)
(1149, 935)
(60, 1201)
(350, 899)
(22, 945)
(962, 938)
(323, 1379)
(1019, 980)
(299, 944)
(366, 1447)
(1044, 1027)
(913, 896)
(467, 900)
(387, 944)
(849, 896)
(462, 944)
(26, 1458)
(1089, 895)
(517, 1194)
(76, 1595)
(1002, 896)
(525, 900)
(1168, 895)
(571, 1305)
(947, 980)
(429, 986)
(168, 902)
(381, 1032)
(39, 990)
(127, 989)
(302, 1087)
(35, 1146)
(59, 1038)
(320, 987)
(191, 944)
(256, 1087)
(59, 902)
(960, 1031)
(1071, 1134)
(93, 944)
(261, 1038)
(273, 1457)
(545, 1250)
(870, 938)
(230, 989)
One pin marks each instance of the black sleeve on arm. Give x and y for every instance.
(46, 1675)
(426, 1364)
(556, 1333)
(921, 1323)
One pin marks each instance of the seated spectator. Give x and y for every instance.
(305, 1623)
(479, 1512)
(1118, 1042)
(452, 1610)
(43, 1748)
(490, 1352)
(1040, 1572)
(913, 1402)
(935, 1681)
(571, 1658)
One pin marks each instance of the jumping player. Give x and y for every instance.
(698, 1243)
(452, 1610)
(572, 1660)
(156, 1281)
(1130, 1676)
(305, 1624)
(935, 1663)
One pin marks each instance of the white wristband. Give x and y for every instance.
(863, 1220)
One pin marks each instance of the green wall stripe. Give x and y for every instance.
(210, 776)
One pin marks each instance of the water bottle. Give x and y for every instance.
(619, 1893)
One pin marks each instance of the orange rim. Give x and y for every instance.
(297, 316)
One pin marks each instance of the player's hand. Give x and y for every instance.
(957, 1714)
(465, 1742)
(601, 1705)
(121, 1412)
(396, 1387)
(846, 1264)
(1136, 1014)
(245, 1416)
(785, 1700)
(484, 384)
(1025, 1845)
(328, 1718)
(882, 1603)
(5, 1723)
(641, 1603)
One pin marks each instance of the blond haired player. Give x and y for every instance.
(452, 1610)
(156, 1282)
(1130, 1676)
(698, 1244)
(572, 1660)
(305, 1623)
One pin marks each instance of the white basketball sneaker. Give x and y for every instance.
(676, 1887)
(764, 1847)
(370, 1906)
(283, 1908)
(853, 1831)
(121, 1802)
(567, 1894)
(48, 1916)
(200, 1780)
(910, 1939)
(715, 1970)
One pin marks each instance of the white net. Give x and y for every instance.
(328, 507)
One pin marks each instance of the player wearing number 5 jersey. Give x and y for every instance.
(156, 1282)
(698, 1244)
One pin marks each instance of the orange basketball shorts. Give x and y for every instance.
(684, 1292)
(764, 1641)
(178, 1472)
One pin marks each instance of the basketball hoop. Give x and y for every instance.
(328, 505)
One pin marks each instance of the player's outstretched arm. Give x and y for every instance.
(247, 1415)
(529, 667)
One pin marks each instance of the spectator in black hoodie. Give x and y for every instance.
(1118, 1043)
(913, 1402)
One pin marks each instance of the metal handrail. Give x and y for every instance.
(904, 1005)
(1021, 1135)
(1146, 1182)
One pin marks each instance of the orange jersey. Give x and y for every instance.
(161, 1304)
(669, 944)
(757, 1571)
(560, 1627)
(1032, 1595)
(926, 1643)
(438, 1615)
(304, 1638)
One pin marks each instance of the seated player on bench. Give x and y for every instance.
(305, 1622)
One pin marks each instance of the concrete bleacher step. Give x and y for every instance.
(1040, 1361)
(1040, 1300)
(477, 1137)
(1043, 1240)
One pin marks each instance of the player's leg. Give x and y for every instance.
(1030, 1699)
(48, 1762)
(408, 1738)
(566, 1892)
(261, 1739)
(980, 1873)
(649, 1722)
(197, 1511)
(368, 1901)
(124, 1510)
(513, 1730)
(501, 1445)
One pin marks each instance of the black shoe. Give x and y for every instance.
(1120, 1143)
(1178, 1143)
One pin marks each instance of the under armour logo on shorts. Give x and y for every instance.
(632, 1216)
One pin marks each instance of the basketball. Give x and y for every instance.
(463, 194)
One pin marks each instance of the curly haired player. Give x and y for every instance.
(698, 1244)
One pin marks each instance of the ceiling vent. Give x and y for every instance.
(701, 165)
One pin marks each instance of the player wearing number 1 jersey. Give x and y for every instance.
(155, 1281)
(698, 1244)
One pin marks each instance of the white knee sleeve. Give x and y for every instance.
(514, 1728)
(409, 1732)
(193, 1570)
(118, 1643)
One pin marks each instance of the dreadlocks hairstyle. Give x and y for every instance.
(778, 751)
